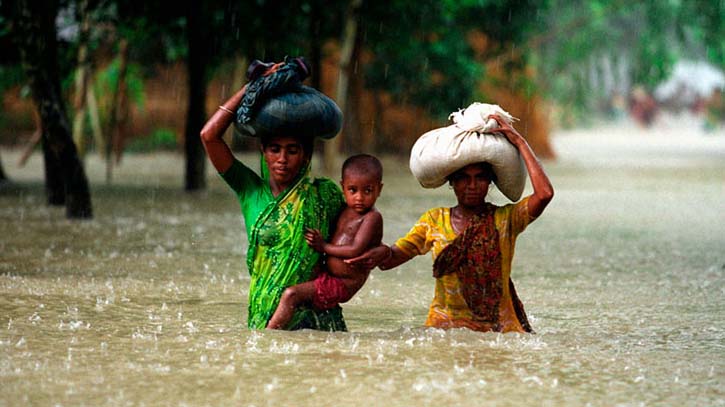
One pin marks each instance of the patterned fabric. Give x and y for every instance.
(261, 87)
(449, 308)
(278, 255)
(475, 256)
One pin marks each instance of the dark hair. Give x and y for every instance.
(486, 166)
(364, 164)
(308, 144)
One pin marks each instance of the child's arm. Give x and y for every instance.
(372, 226)
(383, 256)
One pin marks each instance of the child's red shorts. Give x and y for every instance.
(330, 291)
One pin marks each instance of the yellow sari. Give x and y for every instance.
(433, 232)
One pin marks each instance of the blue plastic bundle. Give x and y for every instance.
(278, 104)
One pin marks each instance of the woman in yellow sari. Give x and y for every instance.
(473, 246)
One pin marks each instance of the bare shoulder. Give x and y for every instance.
(374, 215)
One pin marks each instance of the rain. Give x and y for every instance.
(145, 302)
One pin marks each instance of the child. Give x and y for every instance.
(359, 228)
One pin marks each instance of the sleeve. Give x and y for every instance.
(241, 179)
(518, 216)
(416, 242)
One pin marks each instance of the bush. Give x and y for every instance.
(159, 140)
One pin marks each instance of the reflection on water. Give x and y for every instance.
(622, 278)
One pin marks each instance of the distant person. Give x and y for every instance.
(642, 107)
(473, 246)
(359, 228)
(714, 110)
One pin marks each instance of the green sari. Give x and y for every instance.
(278, 255)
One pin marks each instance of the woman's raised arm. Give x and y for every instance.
(543, 190)
(211, 134)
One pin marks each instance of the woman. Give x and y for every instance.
(473, 246)
(277, 207)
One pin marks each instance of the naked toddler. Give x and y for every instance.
(359, 228)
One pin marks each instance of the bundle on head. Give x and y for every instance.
(276, 103)
(469, 140)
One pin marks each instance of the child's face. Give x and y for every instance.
(360, 190)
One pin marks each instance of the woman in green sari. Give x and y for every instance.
(277, 206)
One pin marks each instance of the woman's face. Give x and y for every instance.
(470, 184)
(285, 158)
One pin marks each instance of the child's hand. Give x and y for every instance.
(506, 129)
(315, 240)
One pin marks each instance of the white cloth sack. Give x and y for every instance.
(441, 152)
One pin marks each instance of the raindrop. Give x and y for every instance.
(271, 386)
(190, 327)
(533, 379)
(20, 342)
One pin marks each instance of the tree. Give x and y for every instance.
(349, 40)
(3, 177)
(196, 114)
(599, 47)
(418, 55)
(35, 36)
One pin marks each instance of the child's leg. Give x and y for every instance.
(290, 300)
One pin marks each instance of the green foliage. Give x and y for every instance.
(155, 31)
(160, 140)
(645, 38)
(421, 52)
(107, 82)
(10, 76)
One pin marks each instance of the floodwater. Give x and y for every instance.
(622, 278)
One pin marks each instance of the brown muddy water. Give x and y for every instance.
(622, 278)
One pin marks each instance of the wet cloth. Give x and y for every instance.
(475, 256)
(329, 292)
(449, 308)
(277, 103)
(288, 75)
(278, 255)
(440, 152)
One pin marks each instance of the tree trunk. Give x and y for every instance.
(3, 177)
(315, 57)
(81, 79)
(92, 110)
(332, 147)
(36, 39)
(357, 135)
(196, 62)
(239, 78)
(119, 135)
(116, 119)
